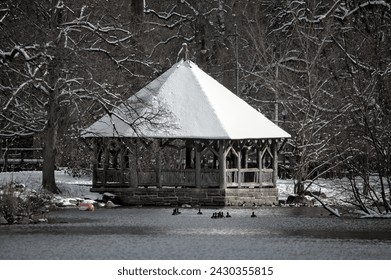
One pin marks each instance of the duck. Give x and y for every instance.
(228, 215)
(199, 212)
(253, 215)
(176, 211)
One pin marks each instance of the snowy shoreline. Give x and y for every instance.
(335, 192)
(71, 187)
(77, 189)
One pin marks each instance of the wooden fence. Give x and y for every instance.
(20, 159)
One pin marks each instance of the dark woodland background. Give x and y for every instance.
(320, 69)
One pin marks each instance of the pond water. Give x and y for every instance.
(154, 233)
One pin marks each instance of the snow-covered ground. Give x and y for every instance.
(333, 193)
(80, 187)
(72, 189)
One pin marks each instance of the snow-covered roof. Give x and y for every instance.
(185, 102)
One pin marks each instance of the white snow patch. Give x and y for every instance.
(73, 190)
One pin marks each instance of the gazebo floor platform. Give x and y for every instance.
(196, 197)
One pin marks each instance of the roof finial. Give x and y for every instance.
(185, 49)
(184, 45)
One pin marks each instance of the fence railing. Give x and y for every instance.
(248, 177)
(23, 158)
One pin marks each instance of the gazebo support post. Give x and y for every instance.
(239, 166)
(197, 160)
(222, 164)
(122, 163)
(133, 181)
(159, 166)
(275, 162)
(245, 157)
(188, 157)
(106, 161)
(260, 167)
(94, 161)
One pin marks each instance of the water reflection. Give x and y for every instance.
(154, 233)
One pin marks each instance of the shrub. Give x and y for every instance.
(16, 203)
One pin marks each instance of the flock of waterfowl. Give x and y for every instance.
(215, 215)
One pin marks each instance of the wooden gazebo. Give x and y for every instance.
(186, 139)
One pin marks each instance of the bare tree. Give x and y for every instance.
(208, 28)
(289, 71)
(327, 64)
(363, 42)
(58, 60)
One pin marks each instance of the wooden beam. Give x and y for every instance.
(222, 164)
(94, 160)
(159, 166)
(210, 145)
(122, 162)
(188, 159)
(197, 151)
(260, 179)
(275, 162)
(244, 159)
(133, 181)
(105, 163)
(239, 165)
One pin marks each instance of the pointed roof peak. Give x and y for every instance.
(186, 63)
(186, 102)
(185, 51)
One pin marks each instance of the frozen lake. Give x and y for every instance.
(154, 233)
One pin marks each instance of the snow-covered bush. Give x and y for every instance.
(19, 204)
(8, 203)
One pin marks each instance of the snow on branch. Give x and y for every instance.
(19, 50)
(25, 128)
(320, 18)
(347, 13)
(352, 58)
(15, 93)
(191, 7)
(76, 24)
(172, 16)
(167, 16)
(333, 211)
(169, 26)
(60, 4)
(165, 42)
(5, 11)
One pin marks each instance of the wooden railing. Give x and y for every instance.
(182, 177)
(19, 157)
(247, 178)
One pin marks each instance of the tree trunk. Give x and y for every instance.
(49, 149)
(299, 184)
(299, 187)
(137, 9)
